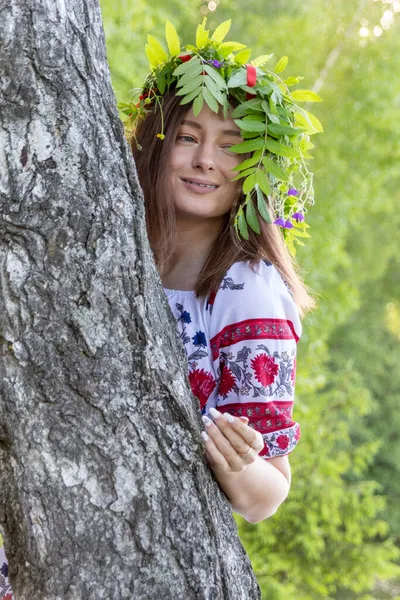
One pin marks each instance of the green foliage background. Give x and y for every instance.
(335, 537)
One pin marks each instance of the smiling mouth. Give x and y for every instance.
(211, 186)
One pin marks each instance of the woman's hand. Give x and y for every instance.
(230, 444)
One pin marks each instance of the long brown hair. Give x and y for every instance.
(151, 157)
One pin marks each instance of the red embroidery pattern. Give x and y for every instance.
(202, 385)
(253, 329)
(273, 420)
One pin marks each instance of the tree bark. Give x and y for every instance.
(104, 490)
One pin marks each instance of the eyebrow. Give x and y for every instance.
(234, 132)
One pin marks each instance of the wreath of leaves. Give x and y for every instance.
(276, 145)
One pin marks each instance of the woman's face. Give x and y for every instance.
(200, 163)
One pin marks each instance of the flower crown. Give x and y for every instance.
(277, 184)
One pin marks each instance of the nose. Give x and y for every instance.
(204, 158)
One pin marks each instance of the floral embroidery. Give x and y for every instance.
(210, 302)
(227, 381)
(293, 373)
(273, 372)
(202, 385)
(251, 329)
(227, 283)
(199, 339)
(185, 316)
(283, 441)
(5, 587)
(248, 368)
(265, 369)
(273, 419)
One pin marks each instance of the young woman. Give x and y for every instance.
(218, 173)
(230, 282)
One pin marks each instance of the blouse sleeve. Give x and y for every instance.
(254, 331)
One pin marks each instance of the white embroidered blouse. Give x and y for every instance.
(241, 349)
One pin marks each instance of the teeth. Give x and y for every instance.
(205, 185)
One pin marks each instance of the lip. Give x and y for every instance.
(191, 184)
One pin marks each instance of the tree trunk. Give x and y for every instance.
(104, 491)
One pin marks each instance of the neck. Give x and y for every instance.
(194, 244)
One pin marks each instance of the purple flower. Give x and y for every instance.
(282, 223)
(185, 316)
(292, 192)
(298, 216)
(215, 63)
(199, 339)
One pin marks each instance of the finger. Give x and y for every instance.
(231, 447)
(244, 420)
(214, 457)
(240, 434)
(224, 445)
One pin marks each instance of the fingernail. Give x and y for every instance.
(228, 417)
(214, 413)
(207, 422)
(204, 436)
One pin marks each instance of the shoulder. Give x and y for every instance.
(257, 292)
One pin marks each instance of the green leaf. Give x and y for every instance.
(244, 173)
(188, 77)
(281, 149)
(227, 48)
(213, 73)
(198, 104)
(292, 80)
(248, 146)
(243, 56)
(279, 129)
(222, 31)
(260, 61)
(202, 34)
(273, 168)
(281, 64)
(306, 119)
(249, 135)
(249, 183)
(153, 60)
(225, 106)
(249, 162)
(300, 233)
(172, 38)
(190, 97)
(262, 206)
(255, 116)
(194, 83)
(305, 96)
(244, 232)
(211, 101)
(214, 89)
(249, 125)
(157, 49)
(272, 107)
(244, 107)
(238, 78)
(188, 67)
(251, 215)
(263, 182)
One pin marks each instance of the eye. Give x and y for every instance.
(185, 138)
(228, 147)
